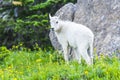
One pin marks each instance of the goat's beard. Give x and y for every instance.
(58, 29)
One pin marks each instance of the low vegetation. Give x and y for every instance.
(26, 22)
(24, 64)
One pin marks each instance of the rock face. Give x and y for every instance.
(101, 16)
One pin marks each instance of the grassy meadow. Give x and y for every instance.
(24, 64)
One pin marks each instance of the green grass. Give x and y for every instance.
(49, 65)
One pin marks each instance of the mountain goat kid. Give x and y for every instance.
(75, 36)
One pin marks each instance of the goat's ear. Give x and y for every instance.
(59, 17)
(50, 16)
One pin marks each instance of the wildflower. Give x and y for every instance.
(106, 72)
(17, 3)
(15, 79)
(86, 72)
(2, 76)
(50, 55)
(21, 44)
(11, 71)
(1, 71)
(39, 49)
(11, 66)
(20, 72)
(16, 47)
(38, 60)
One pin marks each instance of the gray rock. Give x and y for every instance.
(101, 16)
(67, 12)
(54, 40)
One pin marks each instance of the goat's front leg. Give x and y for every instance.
(65, 51)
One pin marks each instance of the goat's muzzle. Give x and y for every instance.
(52, 29)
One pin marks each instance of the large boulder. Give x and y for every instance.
(101, 16)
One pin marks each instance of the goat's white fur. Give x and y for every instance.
(74, 35)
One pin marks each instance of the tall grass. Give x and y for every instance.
(25, 64)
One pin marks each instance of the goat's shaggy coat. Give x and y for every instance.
(77, 36)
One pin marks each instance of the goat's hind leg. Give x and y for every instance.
(91, 51)
(77, 55)
(85, 55)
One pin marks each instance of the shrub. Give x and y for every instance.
(27, 23)
(4, 52)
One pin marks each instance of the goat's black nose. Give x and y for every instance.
(52, 29)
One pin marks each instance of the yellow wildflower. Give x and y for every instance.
(20, 72)
(86, 72)
(21, 44)
(17, 3)
(16, 47)
(1, 71)
(106, 72)
(11, 66)
(2, 77)
(15, 79)
(38, 60)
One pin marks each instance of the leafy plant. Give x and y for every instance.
(43, 65)
(4, 52)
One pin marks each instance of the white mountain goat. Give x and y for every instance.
(77, 36)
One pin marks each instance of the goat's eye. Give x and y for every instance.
(57, 22)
